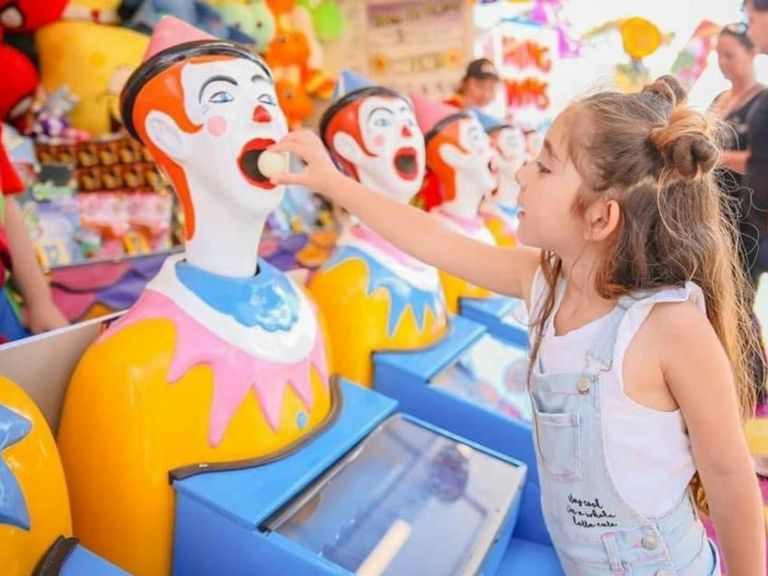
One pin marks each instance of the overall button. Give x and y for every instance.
(582, 385)
(649, 543)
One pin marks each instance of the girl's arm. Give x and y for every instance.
(503, 270)
(699, 376)
(43, 313)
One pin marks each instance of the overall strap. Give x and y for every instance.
(600, 353)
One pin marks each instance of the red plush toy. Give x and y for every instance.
(19, 80)
(18, 76)
(28, 15)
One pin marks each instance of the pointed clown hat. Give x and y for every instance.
(350, 88)
(434, 116)
(490, 123)
(173, 42)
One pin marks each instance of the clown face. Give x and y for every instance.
(234, 103)
(510, 145)
(391, 157)
(475, 169)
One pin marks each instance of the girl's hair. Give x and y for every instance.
(655, 157)
(738, 31)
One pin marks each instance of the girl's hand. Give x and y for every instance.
(319, 174)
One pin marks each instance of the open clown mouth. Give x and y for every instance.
(406, 164)
(249, 162)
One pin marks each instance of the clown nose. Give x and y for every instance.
(261, 115)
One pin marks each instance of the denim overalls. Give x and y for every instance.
(594, 530)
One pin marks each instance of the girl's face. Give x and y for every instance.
(549, 185)
(735, 60)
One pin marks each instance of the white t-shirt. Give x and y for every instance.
(648, 451)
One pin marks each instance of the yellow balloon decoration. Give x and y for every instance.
(640, 37)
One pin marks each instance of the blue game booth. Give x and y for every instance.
(69, 558)
(504, 317)
(377, 492)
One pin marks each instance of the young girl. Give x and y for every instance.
(639, 330)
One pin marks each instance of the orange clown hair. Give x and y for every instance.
(445, 173)
(344, 116)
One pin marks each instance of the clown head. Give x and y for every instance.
(510, 148)
(509, 143)
(207, 110)
(373, 136)
(460, 155)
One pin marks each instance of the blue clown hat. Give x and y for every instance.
(349, 82)
(489, 123)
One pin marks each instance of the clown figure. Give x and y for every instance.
(389, 300)
(460, 157)
(221, 362)
(500, 210)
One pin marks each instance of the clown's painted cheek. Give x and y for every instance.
(379, 140)
(216, 126)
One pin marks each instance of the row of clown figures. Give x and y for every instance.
(231, 422)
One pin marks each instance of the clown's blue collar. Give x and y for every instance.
(267, 299)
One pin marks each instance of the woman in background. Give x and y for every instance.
(736, 54)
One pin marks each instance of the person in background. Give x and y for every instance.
(18, 254)
(736, 55)
(756, 169)
(478, 87)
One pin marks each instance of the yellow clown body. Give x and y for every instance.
(501, 222)
(455, 288)
(34, 506)
(159, 391)
(221, 362)
(377, 298)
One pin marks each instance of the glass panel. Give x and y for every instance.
(405, 492)
(492, 374)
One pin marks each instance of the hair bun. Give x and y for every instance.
(691, 156)
(669, 88)
(686, 144)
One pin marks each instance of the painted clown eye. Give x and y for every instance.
(221, 97)
(267, 99)
(382, 122)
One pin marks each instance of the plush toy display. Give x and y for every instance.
(110, 53)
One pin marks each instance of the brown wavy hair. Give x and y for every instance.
(655, 157)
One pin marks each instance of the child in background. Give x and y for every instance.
(640, 334)
(18, 254)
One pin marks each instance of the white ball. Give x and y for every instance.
(272, 164)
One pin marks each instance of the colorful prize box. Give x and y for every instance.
(376, 493)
